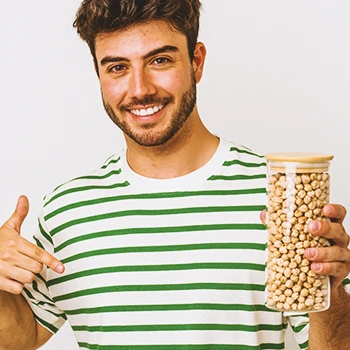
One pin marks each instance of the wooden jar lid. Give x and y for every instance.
(299, 162)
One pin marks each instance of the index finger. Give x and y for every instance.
(31, 250)
(335, 212)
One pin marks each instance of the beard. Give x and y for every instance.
(147, 137)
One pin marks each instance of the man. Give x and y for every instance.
(162, 247)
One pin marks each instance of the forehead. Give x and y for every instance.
(139, 39)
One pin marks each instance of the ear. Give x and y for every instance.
(200, 53)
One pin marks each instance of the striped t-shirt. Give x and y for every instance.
(174, 264)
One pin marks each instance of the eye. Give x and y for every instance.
(161, 60)
(117, 68)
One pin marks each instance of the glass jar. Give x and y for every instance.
(298, 189)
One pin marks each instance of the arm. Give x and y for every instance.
(18, 327)
(330, 329)
(20, 260)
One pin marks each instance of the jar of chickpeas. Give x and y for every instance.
(298, 190)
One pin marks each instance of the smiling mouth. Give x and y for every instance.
(146, 112)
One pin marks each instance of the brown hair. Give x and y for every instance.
(103, 16)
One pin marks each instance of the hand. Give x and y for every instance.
(20, 260)
(334, 260)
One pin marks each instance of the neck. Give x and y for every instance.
(191, 148)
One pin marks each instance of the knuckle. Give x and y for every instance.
(326, 269)
(323, 254)
(30, 277)
(345, 211)
(11, 243)
(339, 251)
(37, 254)
(5, 256)
(339, 268)
(3, 269)
(343, 231)
(325, 227)
(38, 268)
(16, 288)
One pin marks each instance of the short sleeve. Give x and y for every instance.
(37, 293)
(300, 326)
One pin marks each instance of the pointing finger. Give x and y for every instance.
(40, 255)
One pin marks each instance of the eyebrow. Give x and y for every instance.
(163, 49)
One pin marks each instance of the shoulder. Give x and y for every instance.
(240, 156)
(108, 175)
(242, 151)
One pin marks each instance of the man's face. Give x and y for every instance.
(147, 81)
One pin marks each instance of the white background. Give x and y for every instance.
(277, 78)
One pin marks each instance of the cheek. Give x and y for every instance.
(173, 83)
(112, 91)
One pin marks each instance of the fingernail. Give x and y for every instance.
(329, 209)
(311, 253)
(317, 267)
(314, 226)
(59, 268)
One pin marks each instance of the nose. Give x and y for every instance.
(141, 84)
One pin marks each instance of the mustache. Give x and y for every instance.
(147, 100)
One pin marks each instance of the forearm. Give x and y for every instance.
(18, 327)
(329, 329)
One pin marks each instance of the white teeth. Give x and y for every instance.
(148, 111)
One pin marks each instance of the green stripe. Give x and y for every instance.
(237, 177)
(179, 327)
(42, 304)
(28, 293)
(346, 282)
(164, 248)
(44, 233)
(304, 345)
(301, 327)
(248, 165)
(235, 149)
(153, 212)
(160, 287)
(38, 243)
(87, 188)
(99, 177)
(160, 230)
(43, 280)
(173, 307)
(48, 325)
(162, 195)
(36, 288)
(93, 177)
(152, 268)
(264, 346)
(108, 162)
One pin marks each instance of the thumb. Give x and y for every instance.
(17, 218)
